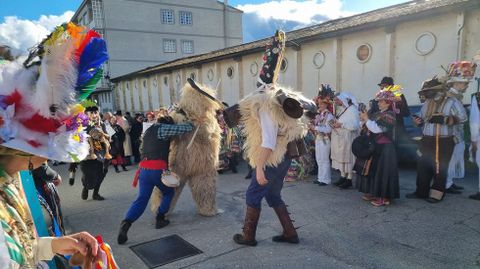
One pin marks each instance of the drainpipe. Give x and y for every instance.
(460, 35)
(225, 7)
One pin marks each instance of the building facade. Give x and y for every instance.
(410, 42)
(143, 33)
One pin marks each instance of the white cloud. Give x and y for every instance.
(288, 15)
(299, 11)
(22, 34)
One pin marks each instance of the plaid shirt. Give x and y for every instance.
(166, 131)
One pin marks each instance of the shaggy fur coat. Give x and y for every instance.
(289, 128)
(197, 165)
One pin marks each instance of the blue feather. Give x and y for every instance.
(93, 56)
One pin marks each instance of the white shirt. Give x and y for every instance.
(269, 130)
(373, 127)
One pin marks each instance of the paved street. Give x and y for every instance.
(337, 229)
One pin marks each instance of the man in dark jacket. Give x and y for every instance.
(155, 150)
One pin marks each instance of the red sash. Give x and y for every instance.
(148, 164)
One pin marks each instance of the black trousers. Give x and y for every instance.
(94, 171)
(426, 166)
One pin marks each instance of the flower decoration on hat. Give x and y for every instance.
(386, 95)
(272, 59)
(39, 100)
(461, 71)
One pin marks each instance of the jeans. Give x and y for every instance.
(147, 180)
(271, 191)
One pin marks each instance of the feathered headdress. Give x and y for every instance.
(325, 93)
(40, 111)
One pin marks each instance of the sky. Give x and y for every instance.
(23, 23)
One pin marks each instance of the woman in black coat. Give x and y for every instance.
(116, 145)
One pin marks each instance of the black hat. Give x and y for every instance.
(386, 80)
(118, 113)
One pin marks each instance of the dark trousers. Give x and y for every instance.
(271, 191)
(147, 180)
(426, 165)
(94, 171)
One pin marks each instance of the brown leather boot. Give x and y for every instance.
(249, 228)
(289, 234)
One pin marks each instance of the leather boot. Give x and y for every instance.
(249, 228)
(122, 234)
(347, 184)
(289, 234)
(340, 181)
(161, 221)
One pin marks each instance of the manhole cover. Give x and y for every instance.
(164, 250)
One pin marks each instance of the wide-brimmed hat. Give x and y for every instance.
(461, 71)
(386, 81)
(433, 84)
(40, 110)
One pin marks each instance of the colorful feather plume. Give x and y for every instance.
(39, 101)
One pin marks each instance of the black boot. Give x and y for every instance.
(161, 221)
(84, 194)
(122, 234)
(347, 184)
(340, 181)
(249, 228)
(124, 168)
(289, 234)
(97, 196)
(475, 196)
(116, 168)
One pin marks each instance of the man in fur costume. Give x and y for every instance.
(197, 105)
(270, 124)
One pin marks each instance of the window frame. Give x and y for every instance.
(164, 47)
(193, 46)
(180, 17)
(167, 10)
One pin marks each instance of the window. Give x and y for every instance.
(230, 72)
(168, 16)
(254, 69)
(85, 18)
(210, 74)
(425, 43)
(186, 18)
(319, 59)
(187, 46)
(364, 52)
(284, 65)
(169, 46)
